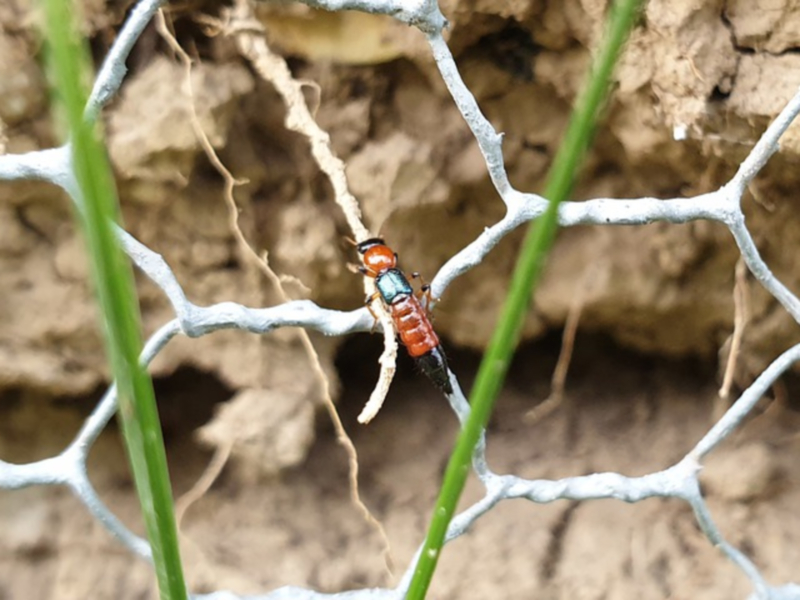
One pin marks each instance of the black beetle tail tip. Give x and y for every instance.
(434, 365)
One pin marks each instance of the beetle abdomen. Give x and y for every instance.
(413, 326)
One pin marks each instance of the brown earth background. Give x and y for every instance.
(655, 327)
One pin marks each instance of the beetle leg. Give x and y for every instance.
(365, 271)
(354, 268)
(368, 303)
(424, 292)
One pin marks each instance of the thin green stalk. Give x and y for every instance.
(113, 278)
(538, 241)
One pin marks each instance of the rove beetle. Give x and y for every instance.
(410, 318)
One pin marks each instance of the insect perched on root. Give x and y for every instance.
(409, 316)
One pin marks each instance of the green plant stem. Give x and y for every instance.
(113, 278)
(496, 361)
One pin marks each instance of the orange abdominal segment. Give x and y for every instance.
(413, 326)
